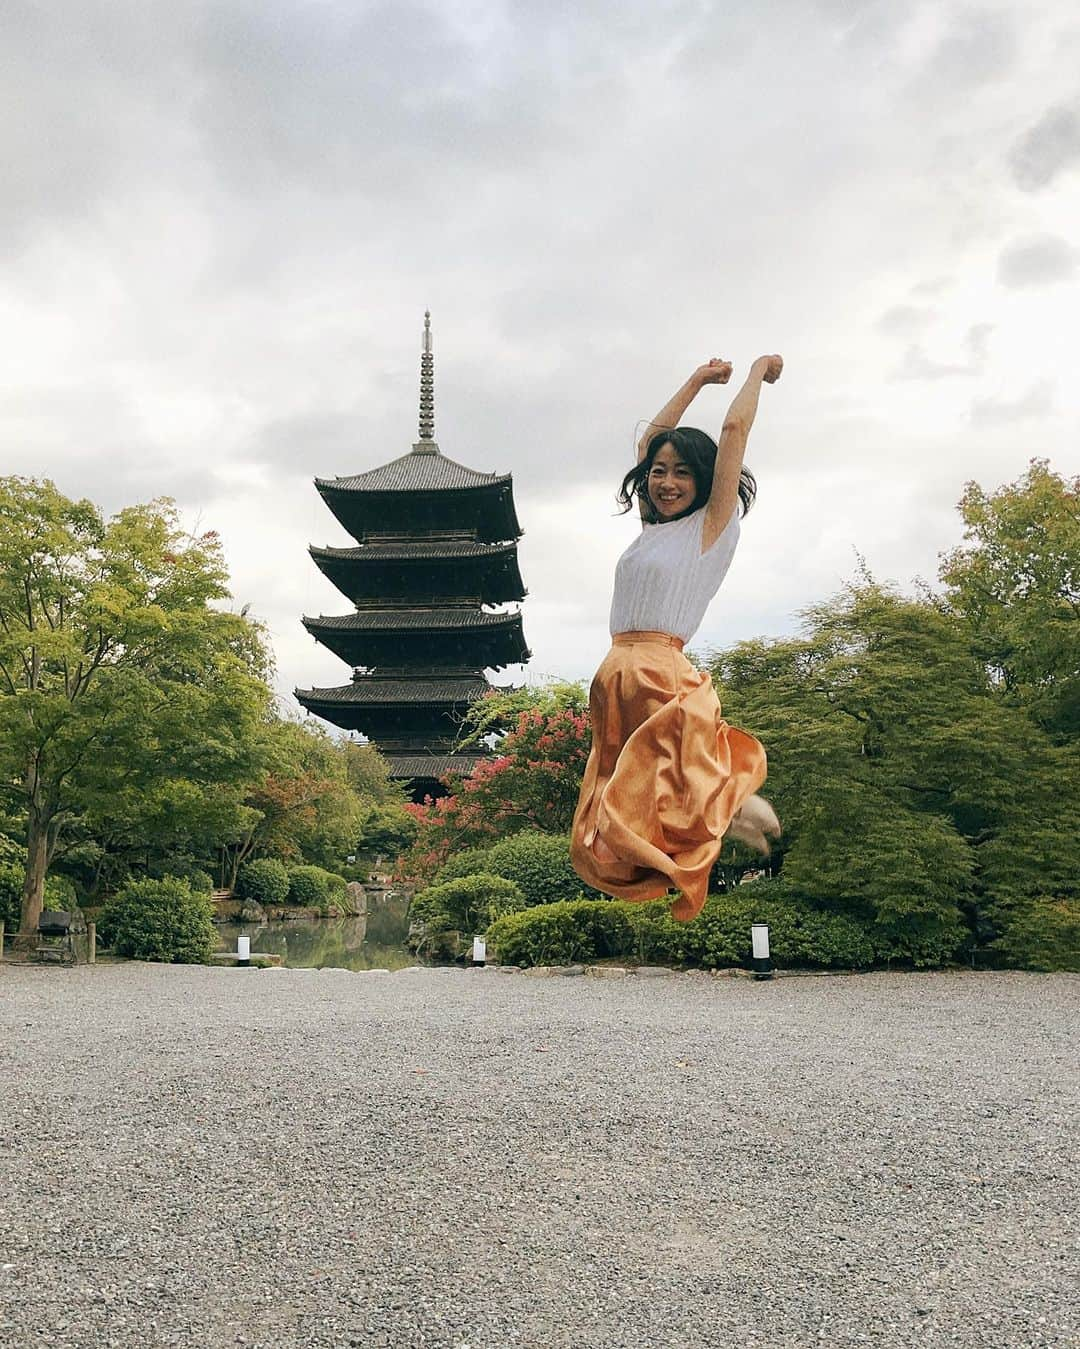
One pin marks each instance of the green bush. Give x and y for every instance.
(539, 864)
(314, 887)
(160, 920)
(1041, 934)
(718, 937)
(265, 879)
(468, 862)
(560, 934)
(59, 894)
(177, 868)
(467, 905)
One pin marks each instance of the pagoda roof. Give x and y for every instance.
(373, 690)
(431, 765)
(419, 550)
(408, 620)
(424, 469)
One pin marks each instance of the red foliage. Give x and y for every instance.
(533, 783)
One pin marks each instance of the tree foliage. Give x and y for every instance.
(1017, 582)
(117, 671)
(532, 782)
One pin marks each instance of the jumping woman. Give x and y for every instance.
(667, 777)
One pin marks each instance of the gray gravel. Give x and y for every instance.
(217, 1157)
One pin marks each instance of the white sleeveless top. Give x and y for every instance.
(664, 583)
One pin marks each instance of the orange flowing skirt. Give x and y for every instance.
(665, 775)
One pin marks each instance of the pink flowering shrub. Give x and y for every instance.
(532, 783)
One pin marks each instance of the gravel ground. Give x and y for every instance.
(214, 1157)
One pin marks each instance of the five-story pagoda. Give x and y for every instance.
(436, 550)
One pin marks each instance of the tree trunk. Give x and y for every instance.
(37, 864)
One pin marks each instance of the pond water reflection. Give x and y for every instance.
(375, 942)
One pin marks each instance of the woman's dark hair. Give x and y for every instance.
(698, 451)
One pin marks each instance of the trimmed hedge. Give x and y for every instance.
(160, 920)
(560, 934)
(265, 879)
(718, 937)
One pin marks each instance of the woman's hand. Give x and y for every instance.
(715, 372)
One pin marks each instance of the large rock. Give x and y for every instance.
(354, 901)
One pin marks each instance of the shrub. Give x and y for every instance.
(314, 887)
(468, 862)
(466, 905)
(718, 937)
(265, 879)
(160, 920)
(559, 934)
(180, 869)
(540, 864)
(59, 894)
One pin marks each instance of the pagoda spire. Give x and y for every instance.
(426, 443)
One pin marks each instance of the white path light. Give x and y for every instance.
(759, 939)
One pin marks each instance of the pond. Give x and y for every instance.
(375, 942)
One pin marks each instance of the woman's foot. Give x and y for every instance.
(752, 822)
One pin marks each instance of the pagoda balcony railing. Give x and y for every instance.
(419, 536)
(366, 672)
(419, 603)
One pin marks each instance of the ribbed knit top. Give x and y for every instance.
(664, 583)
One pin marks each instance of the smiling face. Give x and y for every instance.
(672, 485)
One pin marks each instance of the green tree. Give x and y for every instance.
(901, 775)
(1017, 581)
(117, 672)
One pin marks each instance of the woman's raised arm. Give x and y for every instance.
(669, 416)
(729, 455)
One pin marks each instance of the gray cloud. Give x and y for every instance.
(977, 47)
(224, 220)
(1046, 149)
(1038, 261)
(931, 288)
(918, 365)
(1036, 402)
(904, 320)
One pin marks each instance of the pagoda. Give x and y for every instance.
(436, 551)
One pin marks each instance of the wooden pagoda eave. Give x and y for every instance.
(415, 552)
(488, 507)
(490, 574)
(374, 692)
(444, 621)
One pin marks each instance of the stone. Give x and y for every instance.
(652, 971)
(354, 901)
(569, 969)
(607, 971)
(541, 971)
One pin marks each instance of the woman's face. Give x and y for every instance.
(672, 487)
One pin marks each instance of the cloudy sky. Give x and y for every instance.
(223, 220)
